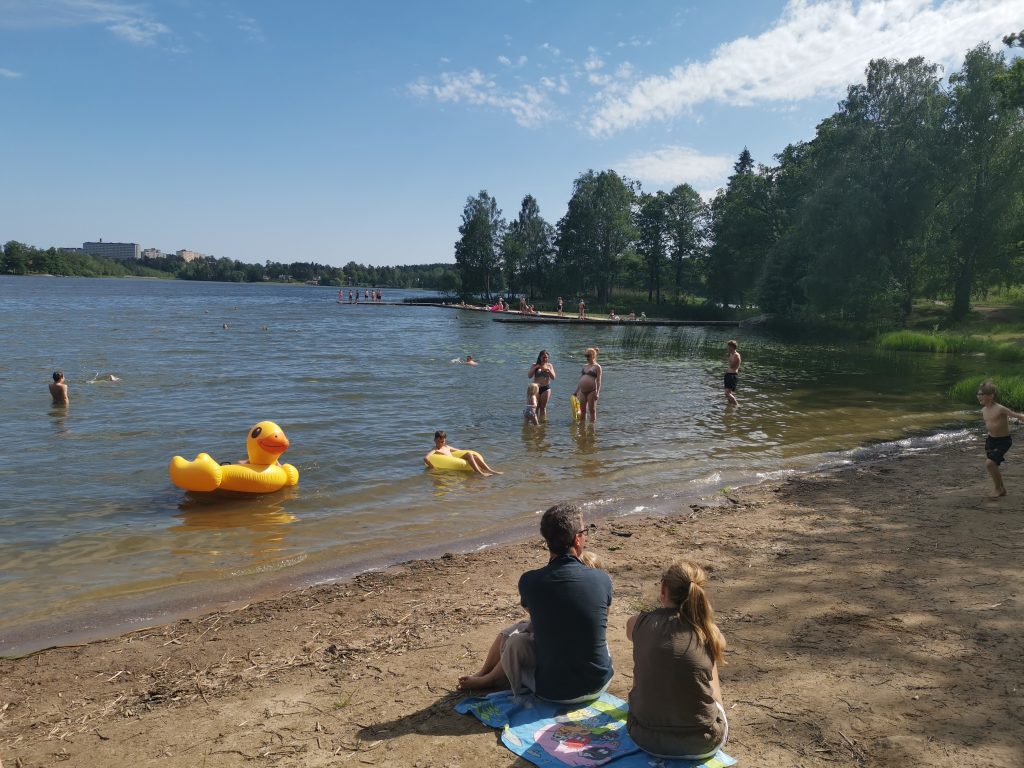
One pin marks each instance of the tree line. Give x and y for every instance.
(913, 189)
(20, 259)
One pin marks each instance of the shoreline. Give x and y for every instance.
(127, 613)
(873, 615)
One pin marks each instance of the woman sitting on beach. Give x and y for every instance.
(543, 373)
(675, 707)
(589, 387)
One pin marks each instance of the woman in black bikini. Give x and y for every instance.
(542, 372)
(589, 387)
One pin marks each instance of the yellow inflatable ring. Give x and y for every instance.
(262, 473)
(454, 462)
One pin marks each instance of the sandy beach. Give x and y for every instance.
(873, 615)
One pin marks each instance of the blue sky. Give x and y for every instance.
(352, 130)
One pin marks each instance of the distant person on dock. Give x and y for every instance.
(543, 373)
(560, 305)
(643, 317)
(732, 373)
(522, 305)
(530, 411)
(59, 389)
(997, 440)
(588, 390)
(582, 310)
(612, 316)
(474, 459)
(632, 317)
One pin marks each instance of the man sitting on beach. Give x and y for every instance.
(566, 658)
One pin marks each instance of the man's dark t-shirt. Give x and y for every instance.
(568, 604)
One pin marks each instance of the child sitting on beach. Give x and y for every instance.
(675, 706)
(492, 674)
(998, 440)
(530, 411)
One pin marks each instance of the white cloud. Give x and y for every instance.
(139, 31)
(816, 48)
(4, 72)
(251, 28)
(529, 106)
(670, 166)
(129, 21)
(505, 60)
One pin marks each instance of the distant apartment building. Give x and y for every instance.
(118, 251)
(152, 253)
(187, 255)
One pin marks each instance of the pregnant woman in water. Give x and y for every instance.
(543, 373)
(589, 387)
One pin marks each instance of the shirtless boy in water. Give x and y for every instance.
(998, 440)
(59, 389)
(732, 375)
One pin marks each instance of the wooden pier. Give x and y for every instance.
(514, 316)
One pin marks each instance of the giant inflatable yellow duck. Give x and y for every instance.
(262, 473)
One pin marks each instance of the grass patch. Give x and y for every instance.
(652, 341)
(1011, 391)
(948, 343)
(914, 341)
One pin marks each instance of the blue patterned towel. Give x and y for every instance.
(555, 735)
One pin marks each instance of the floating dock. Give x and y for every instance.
(514, 316)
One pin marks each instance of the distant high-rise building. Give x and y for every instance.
(118, 251)
(187, 255)
(152, 253)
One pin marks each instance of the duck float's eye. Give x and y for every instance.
(256, 432)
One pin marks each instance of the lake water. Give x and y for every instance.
(94, 538)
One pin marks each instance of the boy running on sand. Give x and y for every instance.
(998, 440)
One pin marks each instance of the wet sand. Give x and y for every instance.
(873, 615)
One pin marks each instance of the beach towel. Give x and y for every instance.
(556, 735)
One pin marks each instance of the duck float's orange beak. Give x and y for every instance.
(276, 444)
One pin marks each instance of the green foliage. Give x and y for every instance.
(20, 259)
(479, 247)
(596, 232)
(1010, 387)
(912, 341)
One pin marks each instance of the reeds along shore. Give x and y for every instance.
(871, 616)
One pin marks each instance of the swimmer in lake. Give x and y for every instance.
(59, 389)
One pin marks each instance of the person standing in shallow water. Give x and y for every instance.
(588, 389)
(732, 374)
(59, 389)
(543, 373)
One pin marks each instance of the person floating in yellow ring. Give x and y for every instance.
(443, 456)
